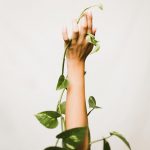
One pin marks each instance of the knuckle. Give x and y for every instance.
(79, 43)
(84, 26)
(76, 31)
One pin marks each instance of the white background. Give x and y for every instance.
(31, 49)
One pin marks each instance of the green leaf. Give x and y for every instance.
(92, 102)
(106, 145)
(61, 108)
(96, 48)
(62, 83)
(72, 137)
(91, 39)
(54, 148)
(79, 131)
(48, 118)
(121, 137)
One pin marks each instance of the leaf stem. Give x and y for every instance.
(57, 142)
(90, 111)
(100, 140)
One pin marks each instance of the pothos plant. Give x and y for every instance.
(72, 138)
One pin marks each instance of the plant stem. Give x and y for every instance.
(62, 127)
(62, 118)
(57, 142)
(63, 63)
(58, 104)
(100, 140)
(82, 13)
(90, 111)
(63, 123)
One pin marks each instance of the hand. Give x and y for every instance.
(79, 48)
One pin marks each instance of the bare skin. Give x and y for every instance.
(76, 111)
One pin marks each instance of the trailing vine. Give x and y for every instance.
(72, 138)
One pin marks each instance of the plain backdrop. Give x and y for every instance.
(31, 50)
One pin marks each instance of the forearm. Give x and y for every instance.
(77, 52)
(76, 112)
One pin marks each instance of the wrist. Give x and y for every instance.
(75, 73)
(76, 64)
(75, 70)
(75, 67)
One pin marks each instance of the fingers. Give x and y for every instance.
(89, 21)
(79, 33)
(83, 29)
(65, 35)
(75, 31)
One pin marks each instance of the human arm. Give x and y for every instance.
(76, 112)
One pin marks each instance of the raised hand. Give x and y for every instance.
(79, 48)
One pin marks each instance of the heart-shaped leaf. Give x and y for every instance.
(48, 118)
(61, 108)
(92, 102)
(79, 131)
(106, 145)
(62, 83)
(72, 137)
(54, 148)
(121, 137)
